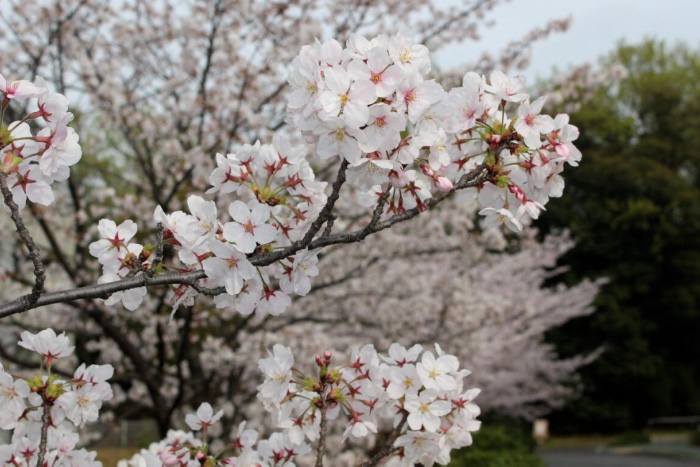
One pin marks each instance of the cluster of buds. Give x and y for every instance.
(43, 411)
(32, 162)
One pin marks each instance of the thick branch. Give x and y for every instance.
(28, 241)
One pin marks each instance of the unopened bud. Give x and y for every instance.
(443, 184)
(494, 141)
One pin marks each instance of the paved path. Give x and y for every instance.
(582, 458)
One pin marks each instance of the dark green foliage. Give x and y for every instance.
(695, 439)
(498, 446)
(633, 207)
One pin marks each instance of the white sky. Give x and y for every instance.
(596, 28)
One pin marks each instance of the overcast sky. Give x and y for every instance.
(596, 28)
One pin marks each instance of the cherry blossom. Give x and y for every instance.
(47, 344)
(204, 418)
(249, 226)
(114, 240)
(506, 89)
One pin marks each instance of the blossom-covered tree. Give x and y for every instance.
(366, 111)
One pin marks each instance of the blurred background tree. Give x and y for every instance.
(633, 208)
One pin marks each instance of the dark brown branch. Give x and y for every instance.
(45, 420)
(388, 446)
(34, 252)
(321, 448)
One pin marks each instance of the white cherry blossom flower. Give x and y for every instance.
(229, 265)
(114, 240)
(47, 344)
(21, 89)
(277, 369)
(249, 225)
(338, 138)
(62, 149)
(435, 373)
(531, 125)
(383, 131)
(495, 217)
(416, 96)
(504, 88)
(378, 71)
(29, 183)
(350, 99)
(203, 418)
(12, 400)
(424, 410)
(296, 278)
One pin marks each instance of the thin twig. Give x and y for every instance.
(321, 448)
(45, 420)
(24, 235)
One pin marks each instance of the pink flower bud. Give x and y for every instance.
(427, 170)
(443, 184)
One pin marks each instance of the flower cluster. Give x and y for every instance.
(118, 258)
(283, 199)
(32, 162)
(423, 394)
(46, 410)
(371, 104)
